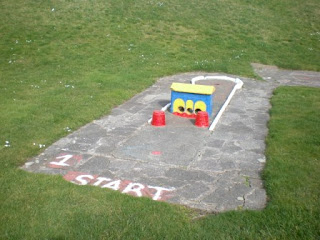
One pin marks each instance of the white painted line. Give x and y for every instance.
(238, 85)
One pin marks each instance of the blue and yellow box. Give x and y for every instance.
(188, 99)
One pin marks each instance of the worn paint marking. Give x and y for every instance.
(65, 161)
(124, 186)
(156, 153)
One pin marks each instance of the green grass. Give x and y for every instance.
(111, 50)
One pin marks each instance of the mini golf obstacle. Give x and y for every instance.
(189, 99)
(195, 101)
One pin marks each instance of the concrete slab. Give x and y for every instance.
(178, 163)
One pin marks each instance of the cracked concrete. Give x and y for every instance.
(178, 163)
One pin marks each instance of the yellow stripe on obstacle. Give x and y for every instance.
(193, 88)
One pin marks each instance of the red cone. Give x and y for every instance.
(202, 119)
(158, 118)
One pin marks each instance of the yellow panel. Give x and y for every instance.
(192, 88)
(200, 106)
(189, 107)
(179, 106)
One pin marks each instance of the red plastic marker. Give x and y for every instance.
(202, 119)
(158, 118)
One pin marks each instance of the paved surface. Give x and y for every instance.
(179, 163)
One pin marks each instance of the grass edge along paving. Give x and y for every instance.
(49, 208)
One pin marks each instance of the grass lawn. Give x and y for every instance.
(65, 63)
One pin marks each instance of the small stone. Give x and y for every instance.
(262, 160)
(28, 164)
